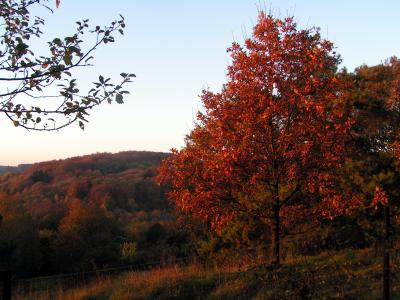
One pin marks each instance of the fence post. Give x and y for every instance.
(6, 279)
(386, 258)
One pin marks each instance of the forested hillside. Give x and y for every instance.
(83, 213)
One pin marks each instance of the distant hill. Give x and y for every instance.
(13, 169)
(113, 181)
(75, 214)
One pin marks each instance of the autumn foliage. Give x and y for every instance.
(266, 145)
(289, 144)
(76, 214)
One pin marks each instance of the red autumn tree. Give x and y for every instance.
(275, 132)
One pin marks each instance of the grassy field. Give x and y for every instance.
(350, 274)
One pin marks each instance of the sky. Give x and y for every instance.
(177, 48)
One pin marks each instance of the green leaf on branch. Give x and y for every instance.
(67, 58)
(119, 99)
(81, 125)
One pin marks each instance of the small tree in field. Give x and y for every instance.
(273, 134)
(26, 77)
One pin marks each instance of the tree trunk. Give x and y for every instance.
(276, 241)
(386, 257)
(5, 277)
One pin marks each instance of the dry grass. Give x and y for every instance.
(171, 281)
(350, 274)
(97, 287)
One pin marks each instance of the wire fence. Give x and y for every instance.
(37, 285)
(331, 277)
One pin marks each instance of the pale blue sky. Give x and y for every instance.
(177, 48)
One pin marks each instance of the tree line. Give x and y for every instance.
(86, 213)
